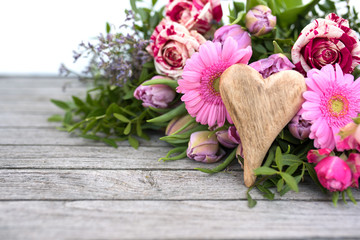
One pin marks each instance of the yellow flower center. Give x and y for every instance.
(338, 106)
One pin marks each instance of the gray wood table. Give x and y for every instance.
(57, 186)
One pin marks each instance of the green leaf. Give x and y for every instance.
(280, 184)
(127, 129)
(278, 158)
(350, 195)
(60, 104)
(310, 169)
(271, 156)
(153, 2)
(68, 117)
(133, 5)
(277, 48)
(78, 102)
(89, 126)
(180, 110)
(220, 167)
(133, 142)
(292, 168)
(291, 181)
(267, 193)
(55, 118)
(335, 198)
(108, 27)
(110, 142)
(265, 171)
(169, 82)
(290, 15)
(259, 48)
(251, 201)
(181, 155)
(75, 126)
(252, 3)
(121, 117)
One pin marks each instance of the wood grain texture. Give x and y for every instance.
(52, 136)
(177, 220)
(57, 186)
(134, 184)
(260, 109)
(93, 157)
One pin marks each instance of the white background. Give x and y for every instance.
(38, 35)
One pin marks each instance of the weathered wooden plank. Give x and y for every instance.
(40, 82)
(39, 94)
(52, 136)
(27, 119)
(177, 220)
(95, 157)
(52, 184)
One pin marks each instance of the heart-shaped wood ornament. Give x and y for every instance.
(260, 109)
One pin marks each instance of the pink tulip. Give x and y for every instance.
(350, 137)
(354, 163)
(204, 147)
(334, 174)
(157, 96)
(236, 32)
(259, 20)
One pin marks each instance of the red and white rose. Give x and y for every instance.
(326, 41)
(194, 14)
(172, 44)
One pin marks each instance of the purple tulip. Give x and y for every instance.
(334, 174)
(204, 147)
(299, 127)
(236, 32)
(157, 95)
(259, 20)
(228, 138)
(179, 122)
(273, 64)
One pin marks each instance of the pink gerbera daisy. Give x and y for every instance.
(332, 100)
(200, 80)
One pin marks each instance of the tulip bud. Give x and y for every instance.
(259, 20)
(157, 95)
(334, 174)
(354, 163)
(228, 138)
(299, 127)
(350, 137)
(236, 32)
(204, 147)
(178, 123)
(316, 155)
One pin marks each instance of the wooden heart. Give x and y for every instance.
(260, 109)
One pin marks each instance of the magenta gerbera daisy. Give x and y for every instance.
(200, 80)
(331, 101)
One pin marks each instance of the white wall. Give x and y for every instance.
(38, 35)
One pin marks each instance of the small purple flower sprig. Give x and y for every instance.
(117, 57)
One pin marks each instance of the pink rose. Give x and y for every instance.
(334, 174)
(172, 44)
(273, 64)
(194, 14)
(157, 95)
(236, 32)
(354, 163)
(326, 41)
(316, 155)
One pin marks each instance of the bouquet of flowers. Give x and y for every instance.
(163, 70)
